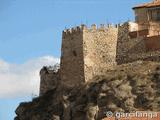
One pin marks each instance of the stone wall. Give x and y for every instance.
(72, 62)
(86, 51)
(136, 47)
(148, 56)
(49, 79)
(126, 46)
(99, 49)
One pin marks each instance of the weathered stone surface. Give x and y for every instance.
(89, 82)
(99, 50)
(125, 88)
(133, 49)
(87, 52)
(49, 78)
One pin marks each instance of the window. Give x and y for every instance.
(150, 15)
(136, 18)
(154, 15)
(74, 53)
(158, 15)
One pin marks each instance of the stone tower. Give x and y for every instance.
(86, 52)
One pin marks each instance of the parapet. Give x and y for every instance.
(92, 28)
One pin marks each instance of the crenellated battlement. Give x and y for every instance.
(72, 30)
(92, 28)
(87, 51)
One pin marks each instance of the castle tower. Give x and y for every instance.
(86, 52)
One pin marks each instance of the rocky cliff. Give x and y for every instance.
(126, 88)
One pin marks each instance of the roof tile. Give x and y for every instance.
(154, 3)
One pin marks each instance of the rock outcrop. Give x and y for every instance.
(125, 88)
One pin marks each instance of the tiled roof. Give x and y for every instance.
(155, 3)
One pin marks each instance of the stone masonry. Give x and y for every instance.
(72, 63)
(49, 79)
(88, 51)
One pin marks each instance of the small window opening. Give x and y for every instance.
(74, 53)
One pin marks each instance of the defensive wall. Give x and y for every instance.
(88, 51)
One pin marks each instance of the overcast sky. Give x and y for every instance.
(30, 37)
